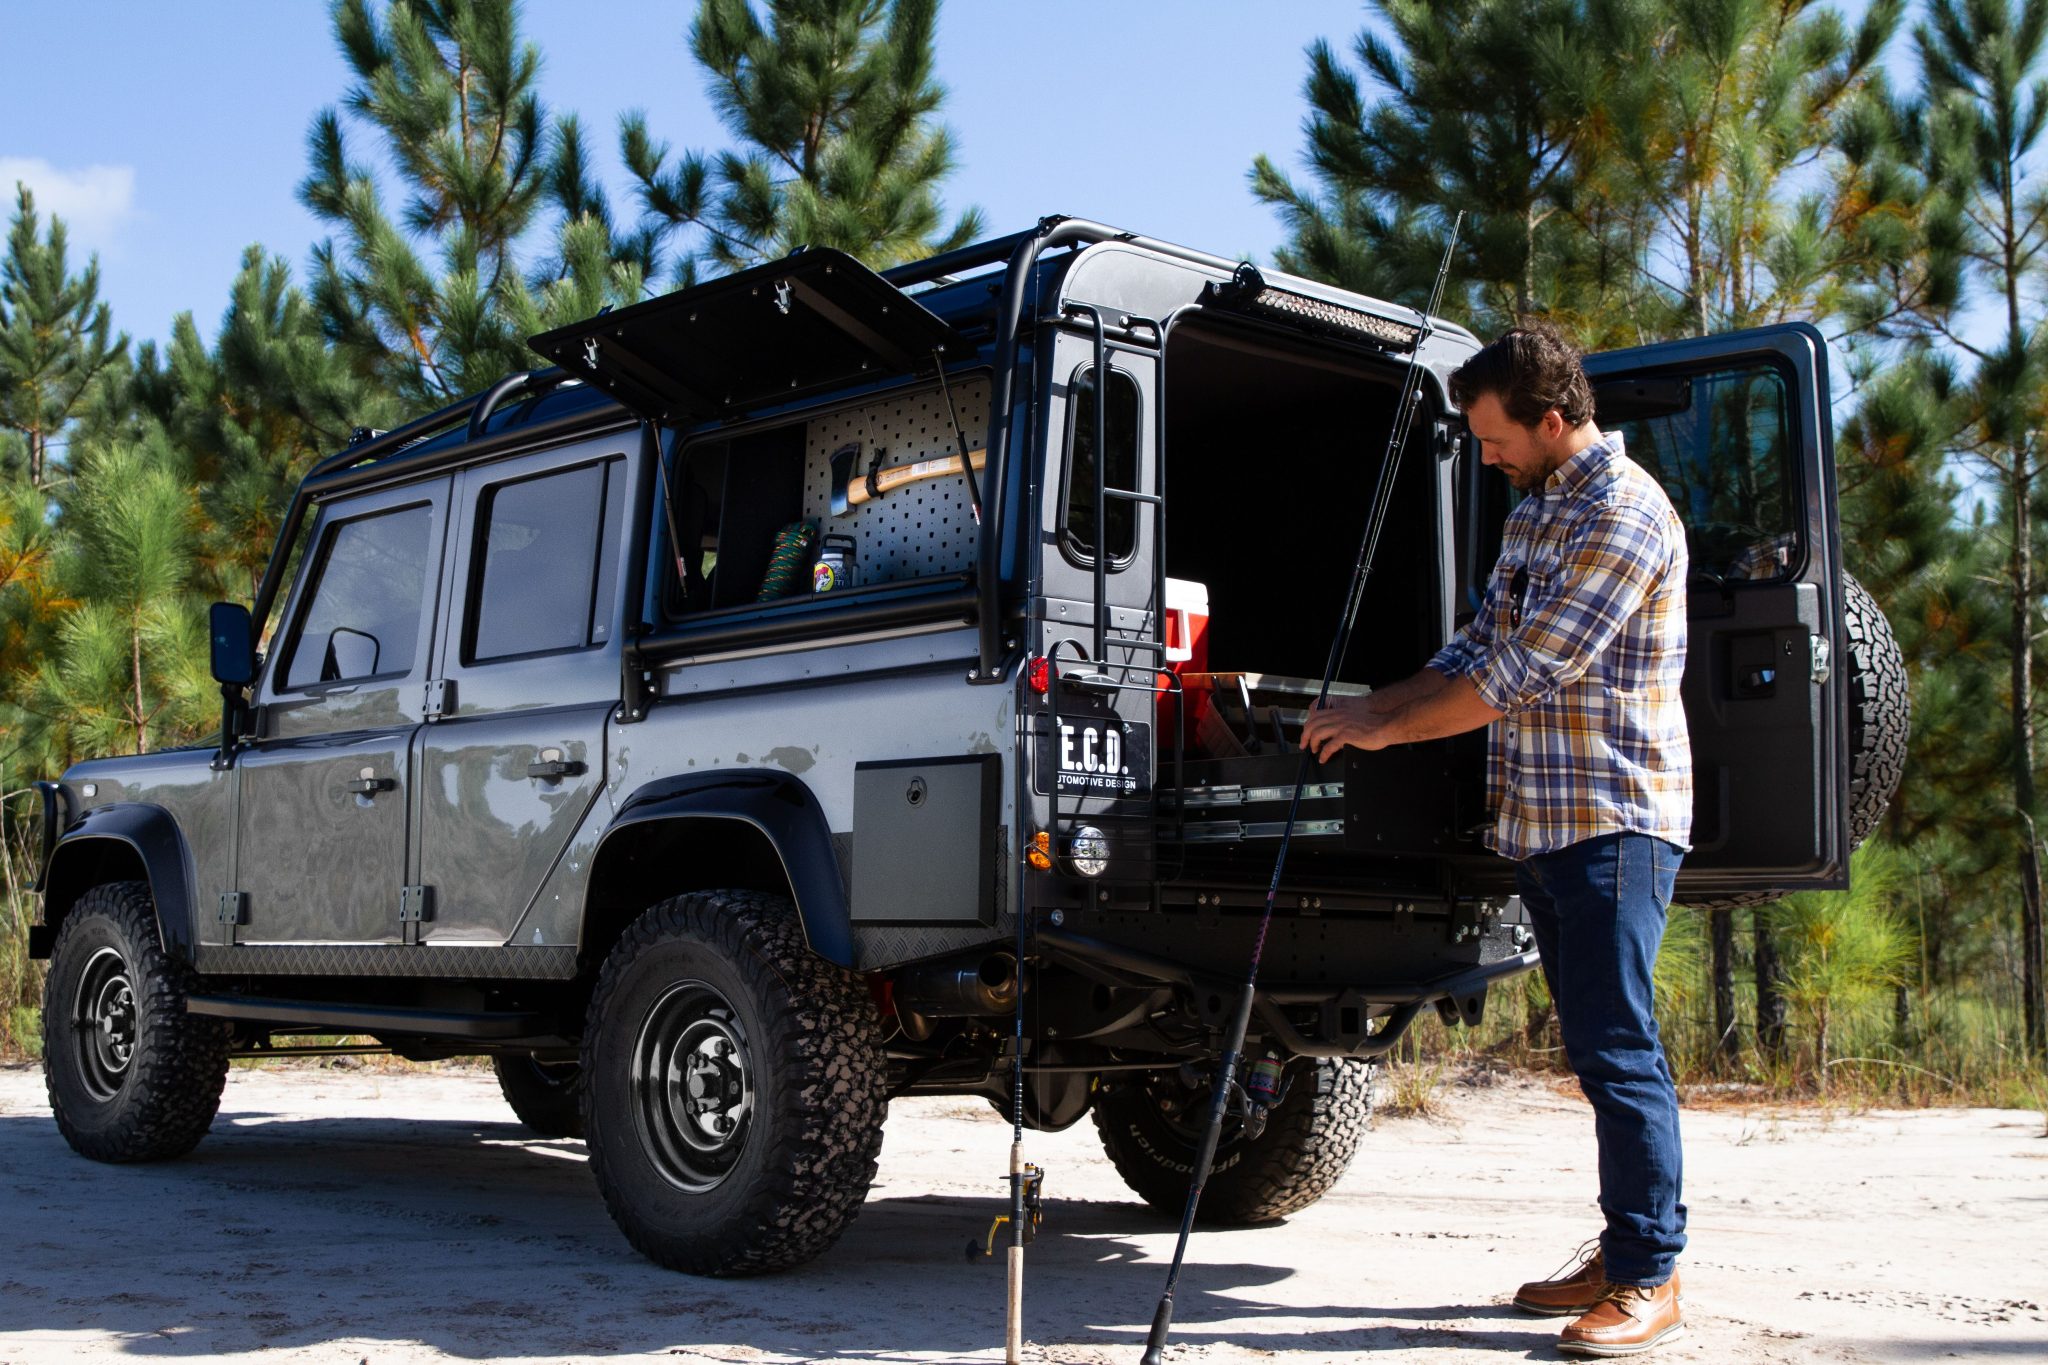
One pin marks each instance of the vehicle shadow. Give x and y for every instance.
(476, 1240)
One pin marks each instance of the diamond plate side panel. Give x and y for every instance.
(488, 963)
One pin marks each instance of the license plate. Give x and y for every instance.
(1095, 756)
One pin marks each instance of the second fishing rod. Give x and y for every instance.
(1240, 1019)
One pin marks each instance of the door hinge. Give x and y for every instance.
(440, 698)
(415, 908)
(233, 912)
(1823, 658)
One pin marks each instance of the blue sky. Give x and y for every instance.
(172, 136)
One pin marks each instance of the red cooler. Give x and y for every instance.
(1187, 651)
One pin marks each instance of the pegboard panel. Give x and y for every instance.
(921, 528)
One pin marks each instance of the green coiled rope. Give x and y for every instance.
(789, 567)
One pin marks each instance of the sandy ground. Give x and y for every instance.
(358, 1216)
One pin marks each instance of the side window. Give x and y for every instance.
(1121, 435)
(365, 599)
(535, 578)
(1721, 444)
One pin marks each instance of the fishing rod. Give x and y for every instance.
(1240, 1022)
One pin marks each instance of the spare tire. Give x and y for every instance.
(1880, 723)
(1880, 709)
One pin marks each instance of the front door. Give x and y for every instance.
(1737, 428)
(320, 855)
(530, 662)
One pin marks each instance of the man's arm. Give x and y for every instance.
(1426, 706)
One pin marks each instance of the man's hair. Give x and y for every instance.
(1530, 369)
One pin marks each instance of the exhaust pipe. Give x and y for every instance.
(953, 989)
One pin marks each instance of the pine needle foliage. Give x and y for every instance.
(431, 301)
(1843, 950)
(56, 339)
(832, 106)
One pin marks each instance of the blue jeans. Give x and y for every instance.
(1597, 907)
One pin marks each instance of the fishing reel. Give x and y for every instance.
(1251, 1100)
(1034, 1214)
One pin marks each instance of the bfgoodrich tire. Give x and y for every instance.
(547, 1096)
(733, 1087)
(131, 1076)
(1880, 710)
(1151, 1130)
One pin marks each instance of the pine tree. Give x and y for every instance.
(832, 105)
(450, 91)
(56, 337)
(1986, 114)
(1736, 103)
(253, 413)
(1487, 107)
(129, 667)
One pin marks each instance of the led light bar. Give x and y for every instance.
(1248, 293)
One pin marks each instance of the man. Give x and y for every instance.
(1574, 662)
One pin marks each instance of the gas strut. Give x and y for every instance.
(1240, 1022)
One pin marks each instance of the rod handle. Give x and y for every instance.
(1155, 1344)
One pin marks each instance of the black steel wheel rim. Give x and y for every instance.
(693, 1088)
(105, 1023)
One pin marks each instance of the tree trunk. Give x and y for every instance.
(141, 724)
(1902, 1014)
(1727, 1038)
(1770, 990)
(2022, 647)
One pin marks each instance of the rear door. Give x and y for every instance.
(529, 667)
(1738, 430)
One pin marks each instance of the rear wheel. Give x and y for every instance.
(547, 1096)
(733, 1096)
(1152, 1131)
(131, 1076)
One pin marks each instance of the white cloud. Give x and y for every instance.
(95, 202)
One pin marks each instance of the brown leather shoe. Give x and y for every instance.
(1569, 1294)
(1630, 1318)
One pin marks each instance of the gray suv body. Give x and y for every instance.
(683, 727)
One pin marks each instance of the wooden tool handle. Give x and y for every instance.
(898, 475)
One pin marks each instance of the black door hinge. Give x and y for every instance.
(415, 908)
(440, 698)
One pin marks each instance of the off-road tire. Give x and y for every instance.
(1880, 724)
(812, 1064)
(1308, 1142)
(1880, 710)
(546, 1096)
(161, 1099)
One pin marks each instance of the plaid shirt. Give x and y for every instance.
(1580, 643)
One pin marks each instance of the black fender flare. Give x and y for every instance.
(786, 813)
(150, 834)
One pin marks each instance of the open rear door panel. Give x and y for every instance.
(783, 331)
(1738, 430)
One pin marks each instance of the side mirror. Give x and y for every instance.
(234, 644)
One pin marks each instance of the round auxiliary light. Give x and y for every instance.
(1089, 851)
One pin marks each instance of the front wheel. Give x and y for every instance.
(1152, 1132)
(131, 1076)
(733, 1087)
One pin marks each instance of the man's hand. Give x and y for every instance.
(1356, 722)
(1425, 706)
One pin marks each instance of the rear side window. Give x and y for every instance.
(536, 573)
(1121, 435)
(366, 600)
(1721, 444)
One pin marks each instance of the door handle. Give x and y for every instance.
(550, 769)
(368, 785)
